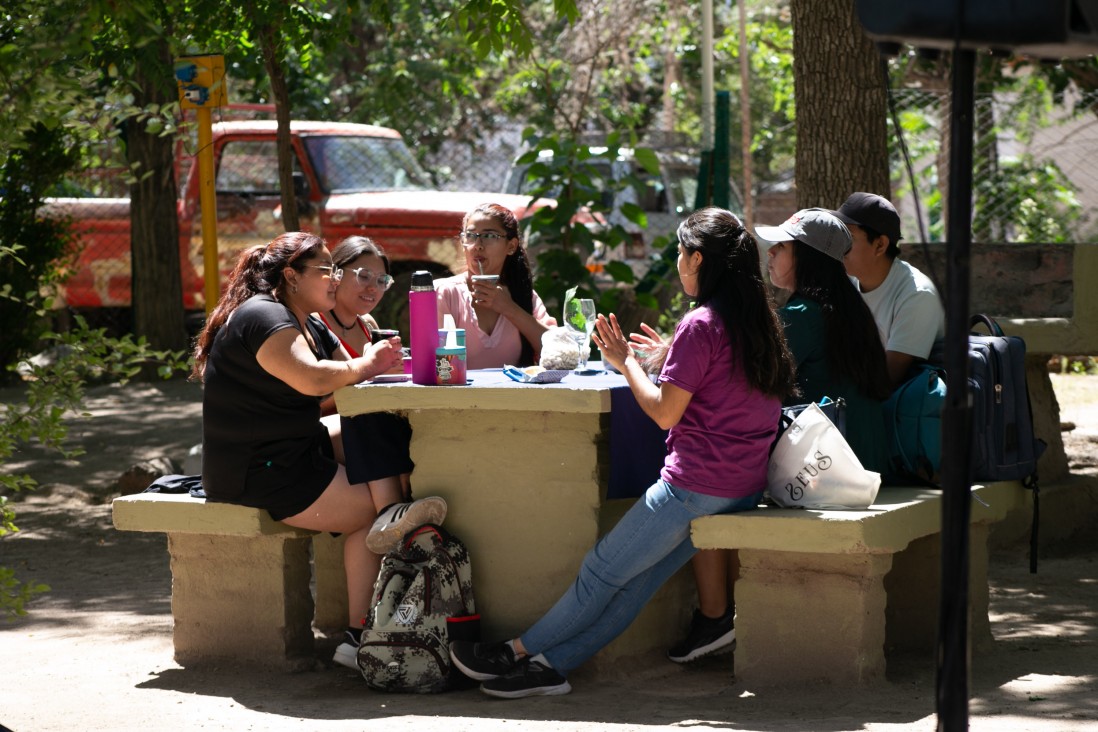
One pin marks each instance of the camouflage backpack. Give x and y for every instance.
(423, 599)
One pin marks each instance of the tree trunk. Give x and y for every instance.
(157, 289)
(280, 93)
(842, 105)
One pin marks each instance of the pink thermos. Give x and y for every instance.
(423, 322)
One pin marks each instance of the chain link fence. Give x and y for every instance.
(1035, 196)
(1032, 177)
(483, 165)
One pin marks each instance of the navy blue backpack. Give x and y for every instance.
(1004, 446)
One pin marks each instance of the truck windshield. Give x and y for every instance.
(357, 164)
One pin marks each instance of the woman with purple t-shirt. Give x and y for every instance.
(719, 393)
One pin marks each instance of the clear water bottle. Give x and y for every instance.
(423, 322)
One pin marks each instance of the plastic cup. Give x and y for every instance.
(490, 280)
(380, 334)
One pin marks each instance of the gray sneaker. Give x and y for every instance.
(398, 519)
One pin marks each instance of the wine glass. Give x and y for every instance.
(579, 319)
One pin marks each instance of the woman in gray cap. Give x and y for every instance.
(835, 344)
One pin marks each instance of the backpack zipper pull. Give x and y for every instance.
(998, 393)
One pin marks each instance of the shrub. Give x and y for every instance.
(32, 247)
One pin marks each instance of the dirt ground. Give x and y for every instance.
(95, 653)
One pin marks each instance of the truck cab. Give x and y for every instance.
(350, 179)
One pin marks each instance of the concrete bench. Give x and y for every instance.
(240, 580)
(822, 594)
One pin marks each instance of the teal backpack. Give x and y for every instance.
(913, 427)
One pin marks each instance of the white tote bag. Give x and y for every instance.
(813, 466)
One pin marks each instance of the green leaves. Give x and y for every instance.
(493, 26)
(14, 594)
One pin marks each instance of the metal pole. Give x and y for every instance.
(722, 173)
(707, 74)
(953, 641)
(208, 202)
(745, 123)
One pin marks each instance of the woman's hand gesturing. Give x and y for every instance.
(612, 344)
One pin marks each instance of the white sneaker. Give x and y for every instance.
(346, 653)
(400, 518)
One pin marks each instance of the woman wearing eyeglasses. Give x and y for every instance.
(365, 280)
(266, 363)
(376, 445)
(503, 320)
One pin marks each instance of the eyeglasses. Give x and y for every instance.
(333, 273)
(469, 239)
(364, 277)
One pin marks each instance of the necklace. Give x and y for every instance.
(339, 322)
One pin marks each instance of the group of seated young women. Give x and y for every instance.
(294, 325)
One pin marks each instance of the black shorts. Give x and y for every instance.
(376, 445)
(289, 481)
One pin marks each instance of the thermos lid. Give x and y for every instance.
(422, 280)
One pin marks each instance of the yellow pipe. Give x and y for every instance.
(208, 203)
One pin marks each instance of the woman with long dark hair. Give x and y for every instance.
(375, 444)
(266, 363)
(366, 279)
(838, 354)
(503, 320)
(719, 393)
(830, 329)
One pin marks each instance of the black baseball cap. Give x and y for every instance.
(871, 211)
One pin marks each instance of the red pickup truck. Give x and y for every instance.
(350, 179)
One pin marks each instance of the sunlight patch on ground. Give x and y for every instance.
(1016, 626)
(1077, 396)
(1031, 701)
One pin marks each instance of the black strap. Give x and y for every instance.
(1031, 483)
(989, 322)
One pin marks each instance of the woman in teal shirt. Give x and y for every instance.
(838, 353)
(829, 328)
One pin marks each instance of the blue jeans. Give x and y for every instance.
(622, 572)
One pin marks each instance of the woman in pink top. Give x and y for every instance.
(503, 322)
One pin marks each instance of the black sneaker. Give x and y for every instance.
(707, 635)
(482, 661)
(527, 678)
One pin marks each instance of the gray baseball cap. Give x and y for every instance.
(816, 227)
